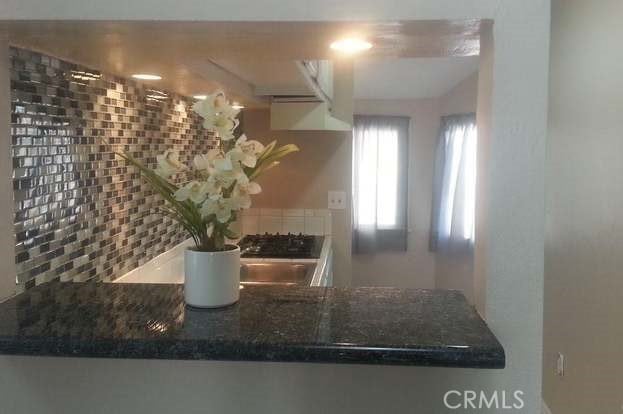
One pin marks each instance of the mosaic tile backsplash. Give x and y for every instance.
(80, 212)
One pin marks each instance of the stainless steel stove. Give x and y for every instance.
(281, 246)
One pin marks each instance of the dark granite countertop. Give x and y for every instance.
(270, 323)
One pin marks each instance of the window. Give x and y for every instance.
(454, 192)
(380, 159)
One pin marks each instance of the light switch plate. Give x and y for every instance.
(337, 200)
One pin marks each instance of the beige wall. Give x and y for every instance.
(462, 98)
(417, 268)
(303, 179)
(583, 316)
(456, 271)
(7, 253)
(55, 385)
(484, 155)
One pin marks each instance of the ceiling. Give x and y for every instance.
(268, 77)
(414, 78)
(238, 57)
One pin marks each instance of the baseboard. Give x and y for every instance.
(545, 409)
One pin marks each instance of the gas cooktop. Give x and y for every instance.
(281, 246)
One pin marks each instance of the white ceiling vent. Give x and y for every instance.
(329, 108)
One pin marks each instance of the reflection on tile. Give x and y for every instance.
(271, 212)
(270, 224)
(80, 212)
(314, 226)
(328, 224)
(250, 224)
(252, 212)
(268, 220)
(294, 212)
(294, 225)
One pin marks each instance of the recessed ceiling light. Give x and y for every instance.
(146, 76)
(238, 106)
(200, 97)
(350, 45)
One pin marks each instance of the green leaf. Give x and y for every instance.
(186, 213)
(271, 160)
(267, 150)
(230, 234)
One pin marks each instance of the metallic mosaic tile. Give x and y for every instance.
(80, 212)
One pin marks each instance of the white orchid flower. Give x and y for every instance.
(223, 164)
(219, 115)
(218, 206)
(222, 106)
(194, 191)
(214, 162)
(215, 104)
(245, 151)
(221, 180)
(224, 127)
(205, 162)
(249, 146)
(243, 191)
(236, 154)
(168, 164)
(220, 170)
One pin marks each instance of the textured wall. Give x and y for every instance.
(81, 213)
(584, 233)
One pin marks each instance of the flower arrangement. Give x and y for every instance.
(221, 182)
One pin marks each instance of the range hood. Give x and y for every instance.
(328, 108)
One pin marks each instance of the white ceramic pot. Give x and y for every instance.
(211, 279)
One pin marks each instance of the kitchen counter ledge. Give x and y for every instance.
(384, 326)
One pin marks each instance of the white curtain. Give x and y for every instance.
(454, 189)
(380, 159)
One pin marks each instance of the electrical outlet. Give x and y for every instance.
(337, 200)
(560, 365)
